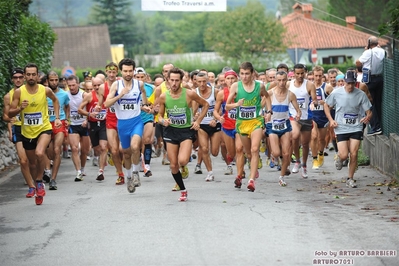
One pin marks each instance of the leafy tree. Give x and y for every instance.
(24, 39)
(391, 27)
(185, 35)
(245, 33)
(369, 13)
(119, 18)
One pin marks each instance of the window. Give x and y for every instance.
(336, 59)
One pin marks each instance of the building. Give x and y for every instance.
(82, 47)
(335, 44)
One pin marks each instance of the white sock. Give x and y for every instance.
(82, 169)
(127, 172)
(79, 172)
(136, 167)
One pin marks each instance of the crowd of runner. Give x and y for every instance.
(122, 117)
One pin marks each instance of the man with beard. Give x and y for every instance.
(15, 133)
(59, 133)
(31, 103)
(125, 96)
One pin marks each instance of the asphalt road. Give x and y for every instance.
(99, 223)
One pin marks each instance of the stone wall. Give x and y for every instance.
(8, 153)
(383, 152)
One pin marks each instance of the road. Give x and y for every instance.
(99, 223)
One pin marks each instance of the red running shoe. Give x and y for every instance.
(31, 192)
(251, 185)
(40, 192)
(183, 196)
(238, 182)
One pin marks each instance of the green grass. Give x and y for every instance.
(362, 158)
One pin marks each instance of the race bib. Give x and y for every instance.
(101, 115)
(279, 124)
(232, 114)
(75, 115)
(33, 119)
(319, 107)
(127, 104)
(210, 111)
(51, 110)
(180, 119)
(112, 109)
(301, 103)
(247, 112)
(351, 119)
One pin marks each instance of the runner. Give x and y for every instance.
(179, 129)
(125, 96)
(31, 103)
(250, 123)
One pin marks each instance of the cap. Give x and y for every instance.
(350, 76)
(17, 70)
(230, 72)
(139, 70)
(340, 76)
(87, 74)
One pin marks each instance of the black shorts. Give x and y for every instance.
(16, 134)
(30, 144)
(354, 135)
(97, 132)
(158, 130)
(211, 130)
(78, 129)
(177, 135)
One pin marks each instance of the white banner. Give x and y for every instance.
(186, 6)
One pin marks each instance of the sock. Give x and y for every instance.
(82, 170)
(210, 173)
(179, 180)
(127, 172)
(321, 153)
(147, 153)
(334, 143)
(136, 167)
(314, 157)
(79, 172)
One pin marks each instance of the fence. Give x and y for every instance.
(390, 102)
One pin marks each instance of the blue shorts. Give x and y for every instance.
(127, 128)
(279, 133)
(268, 127)
(230, 132)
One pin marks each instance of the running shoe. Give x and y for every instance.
(237, 182)
(40, 192)
(130, 186)
(345, 163)
(147, 171)
(197, 169)
(338, 163)
(136, 179)
(268, 161)
(79, 177)
(296, 167)
(165, 161)
(260, 163)
(120, 180)
(100, 176)
(184, 171)
(316, 164)
(281, 181)
(351, 183)
(110, 160)
(47, 176)
(176, 188)
(251, 185)
(262, 147)
(272, 164)
(183, 196)
(95, 161)
(53, 185)
(31, 192)
(229, 170)
(304, 172)
(209, 177)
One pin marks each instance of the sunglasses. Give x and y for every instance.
(18, 77)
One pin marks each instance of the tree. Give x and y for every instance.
(25, 39)
(391, 27)
(119, 18)
(245, 33)
(369, 13)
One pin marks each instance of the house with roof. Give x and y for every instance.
(335, 44)
(82, 47)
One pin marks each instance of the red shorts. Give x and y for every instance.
(111, 123)
(62, 129)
